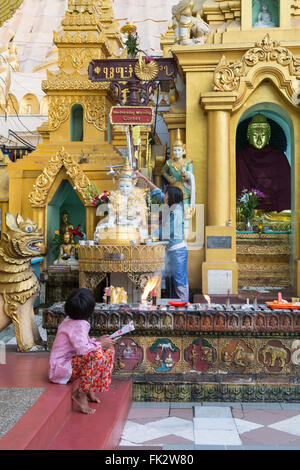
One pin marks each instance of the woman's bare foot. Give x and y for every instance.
(82, 401)
(92, 397)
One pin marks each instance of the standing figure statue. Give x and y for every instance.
(65, 223)
(179, 171)
(188, 28)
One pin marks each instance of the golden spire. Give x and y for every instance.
(178, 140)
(126, 173)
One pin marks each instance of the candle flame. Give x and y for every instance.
(151, 284)
(207, 298)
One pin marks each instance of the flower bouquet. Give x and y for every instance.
(247, 202)
(132, 40)
(96, 198)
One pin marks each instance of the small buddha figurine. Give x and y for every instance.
(264, 19)
(65, 224)
(263, 167)
(178, 171)
(67, 251)
(127, 213)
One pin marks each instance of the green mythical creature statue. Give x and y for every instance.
(19, 286)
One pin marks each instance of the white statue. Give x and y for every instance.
(188, 29)
(127, 213)
(264, 19)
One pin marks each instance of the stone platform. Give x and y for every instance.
(199, 353)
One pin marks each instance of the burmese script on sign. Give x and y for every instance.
(131, 115)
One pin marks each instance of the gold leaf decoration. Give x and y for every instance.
(146, 72)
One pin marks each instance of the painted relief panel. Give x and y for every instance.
(274, 356)
(237, 355)
(200, 354)
(163, 355)
(128, 354)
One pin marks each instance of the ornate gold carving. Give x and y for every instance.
(79, 58)
(41, 188)
(74, 81)
(146, 72)
(59, 110)
(18, 283)
(95, 111)
(136, 259)
(227, 76)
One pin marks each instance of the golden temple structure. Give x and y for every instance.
(231, 65)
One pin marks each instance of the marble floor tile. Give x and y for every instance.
(267, 437)
(212, 412)
(169, 439)
(227, 424)
(269, 417)
(148, 413)
(245, 426)
(139, 433)
(184, 413)
(291, 425)
(173, 425)
(216, 437)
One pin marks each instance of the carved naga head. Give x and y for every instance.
(22, 238)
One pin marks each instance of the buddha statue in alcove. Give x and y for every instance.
(265, 168)
(264, 19)
(126, 222)
(67, 251)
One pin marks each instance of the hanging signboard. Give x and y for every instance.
(108, 70)
(131, 115)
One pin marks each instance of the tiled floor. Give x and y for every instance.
(188, 426)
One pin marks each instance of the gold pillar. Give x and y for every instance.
(220, 269)
(218, 107)
(175, 121)
(91, 221)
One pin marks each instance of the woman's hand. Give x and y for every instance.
(106, 342)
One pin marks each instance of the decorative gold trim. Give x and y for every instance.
(41, 188)
(146, 72)
(227, 76)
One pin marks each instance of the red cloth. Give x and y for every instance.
(267, 170)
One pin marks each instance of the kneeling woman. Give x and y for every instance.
(75, 355)
(173, 229)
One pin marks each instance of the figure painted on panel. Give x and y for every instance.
(163, 354)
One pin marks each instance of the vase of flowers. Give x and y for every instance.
(246, 203)
(132, 40)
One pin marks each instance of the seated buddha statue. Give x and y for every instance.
(264, 19)
(67, 251)
(263, 167)
(126, 222)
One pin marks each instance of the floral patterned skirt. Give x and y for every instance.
(93, 370)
